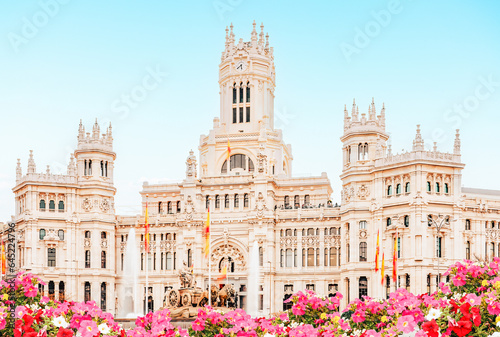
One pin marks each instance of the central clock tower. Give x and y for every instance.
(247, 82)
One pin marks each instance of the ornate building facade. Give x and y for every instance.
(70, 234)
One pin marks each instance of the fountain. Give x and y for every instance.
(253, 282)
(130, 304)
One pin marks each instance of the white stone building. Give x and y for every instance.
(70, 234)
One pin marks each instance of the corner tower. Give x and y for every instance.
(247, 81)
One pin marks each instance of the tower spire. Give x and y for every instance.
(96, 130)
(373, 111)
(418, 142)
(254, 35)
(456, 146)
(19, 171)
(31, 163)
(261, 35)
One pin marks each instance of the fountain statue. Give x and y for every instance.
(130, 304)
(253, 282)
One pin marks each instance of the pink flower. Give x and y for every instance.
(88, 329)
(372, 333)
(358, 316)
(473, 299)
(198, 325)
(406, 324)
(298, 309)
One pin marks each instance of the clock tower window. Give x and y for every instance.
(235, 116)
(248, 114)
(248, 92)
(241, 92)
(234, 94)
(241, 114)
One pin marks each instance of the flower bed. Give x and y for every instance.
(467, 306)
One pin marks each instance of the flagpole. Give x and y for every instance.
(209, 263)
(147, 258)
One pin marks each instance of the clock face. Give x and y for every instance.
(241, 66)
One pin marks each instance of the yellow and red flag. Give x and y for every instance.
(146, 225)
(395, 259)
(206, 234)
(224, 274)
(377, 251)
(4, 261)
(382, 270)
(228, 150)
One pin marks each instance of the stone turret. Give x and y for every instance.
(418, 142)
(456, 146)
(31, 163)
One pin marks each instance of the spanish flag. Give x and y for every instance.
(377, 251)
(4, 262)
(207, 234)
(224, 274)
(382, 270)
(395, 259)
(228, 150)
(147, 229)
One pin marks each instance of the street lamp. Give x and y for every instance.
(441, 220)
(270, 289)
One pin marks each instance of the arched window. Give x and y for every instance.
(310, 257)
(288, 232)
(102, 168)
(217, 202)
(289, 258)
(467, 250)
(399, 247)
(234, 95)
(287, 201)
(85, 167)
(226, 262)
(282, 258)
(296, 201)
(407, 221)
(235, 115)
(51, 257)
(248, 92)
(169, 207)
(60, 234)
(86, 297)
(363, 287)
(428, 186)
(60, 206)
(52, 290)
(87, 259)
(103, 296)
(363, 251)
(207, 202)
(178, 206)
(89, 171)
(446, 188)
(159, 208)
(42, 234)
(310, 231)
(226, 201)
(326, 257)
(87, 234)
(438, 246)
(236, 201)
(190, 257)
(348, 249)
(245, 200)
(61, 291)
(388, 222)
(437, 188)
(241, 94)
(492, 252)
(106, 169)
(169, 261)
(398, 189)
(103, 259)
(42, 205)
(103, 235)
(261, 256)
(362, 224)
(389, 190)
(467, 224)
(307, 200)
(407, 282)
(407, 187)
(334, 256)
(52, 205)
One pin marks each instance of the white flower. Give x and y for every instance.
(498, 323)
(495, 334)
(60, 322)
(103, 328)
(433, 314)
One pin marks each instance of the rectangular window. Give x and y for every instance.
(248, 114)
(234, 95)
(248, 94)
(241, 115)
(235, 116)
(51, 257)
(241, 95)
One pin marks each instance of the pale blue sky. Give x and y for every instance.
(422, 61)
